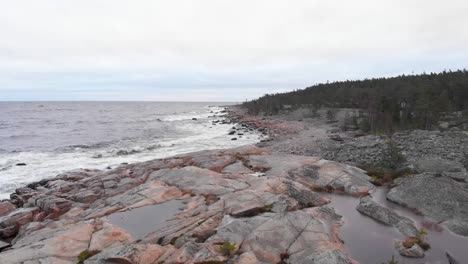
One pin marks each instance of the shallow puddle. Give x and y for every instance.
(141, 221)
(371, 242)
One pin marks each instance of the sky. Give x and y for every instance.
(218, 50)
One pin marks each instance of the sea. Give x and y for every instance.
(43, 139)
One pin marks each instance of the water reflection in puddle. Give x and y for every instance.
(141, 221)
(371, 242)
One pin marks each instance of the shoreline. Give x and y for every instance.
(227, 199)
(164, 135)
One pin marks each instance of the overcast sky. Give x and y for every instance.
(217, 50)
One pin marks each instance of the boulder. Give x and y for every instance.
(53, 205)
(369, 207)
(6, 207)
(331, 176)
(11, 223)
(413, 252)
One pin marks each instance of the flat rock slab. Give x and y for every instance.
(448, 168)
(440, 198)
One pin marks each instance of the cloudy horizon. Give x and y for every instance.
(218, 50)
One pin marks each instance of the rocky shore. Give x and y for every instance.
(265, 206)
(254, 204)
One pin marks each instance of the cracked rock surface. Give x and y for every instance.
(440, 198)
(267, 206)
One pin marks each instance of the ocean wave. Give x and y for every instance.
(84, 146)
(125, 152)
(23, 136)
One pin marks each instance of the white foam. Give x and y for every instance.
(202, 135)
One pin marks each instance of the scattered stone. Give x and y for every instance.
(97, 156)
(413, 252)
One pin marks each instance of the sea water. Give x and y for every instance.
(54, 137)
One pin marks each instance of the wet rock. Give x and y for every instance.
(386, 216)
(436, 197)
(232, 132)
(413, 252)
(233, 138)
(21, 164)
(97, 156)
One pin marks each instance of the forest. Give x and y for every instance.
(382, 104)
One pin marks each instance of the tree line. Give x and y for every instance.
(386, 104)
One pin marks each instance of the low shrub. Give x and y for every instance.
(86, 254)
(392, 156)
(390, 167)
(228, 248)
(420, 239)
(392, 261)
